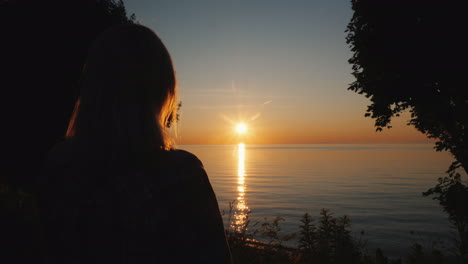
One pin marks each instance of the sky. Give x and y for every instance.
(279, 66)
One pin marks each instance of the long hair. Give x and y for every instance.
(128, 93)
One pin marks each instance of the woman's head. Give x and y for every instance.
(128, 92)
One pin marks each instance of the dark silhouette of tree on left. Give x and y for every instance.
(44, 46)
(43, 49)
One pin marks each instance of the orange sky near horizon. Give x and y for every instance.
(271, 132)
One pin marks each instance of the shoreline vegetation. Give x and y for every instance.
(325, 239)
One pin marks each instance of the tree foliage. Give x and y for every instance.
(307, 234)
(452, 195)
(412, 55)
(329, 241)
(44, 45)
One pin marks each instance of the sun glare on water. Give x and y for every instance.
(241, 128)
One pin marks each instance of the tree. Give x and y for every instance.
(307, 239)
(412, 55)
(44, 45)
(43, 49)
(452, 195)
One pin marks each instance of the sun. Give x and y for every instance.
(241, 128)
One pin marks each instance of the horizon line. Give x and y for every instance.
(416, 142)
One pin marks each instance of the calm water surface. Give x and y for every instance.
(378, 185)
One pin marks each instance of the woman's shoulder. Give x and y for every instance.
(188, 166)
(186, 157)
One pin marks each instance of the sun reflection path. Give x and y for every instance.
(241, 212)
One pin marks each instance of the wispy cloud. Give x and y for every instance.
(223, 107)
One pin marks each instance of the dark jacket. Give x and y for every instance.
(161, 209)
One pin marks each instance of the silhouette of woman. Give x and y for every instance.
(116, 191)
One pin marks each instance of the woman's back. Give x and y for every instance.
(115, 191)
(158, 210)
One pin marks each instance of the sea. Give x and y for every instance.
(378, 186)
